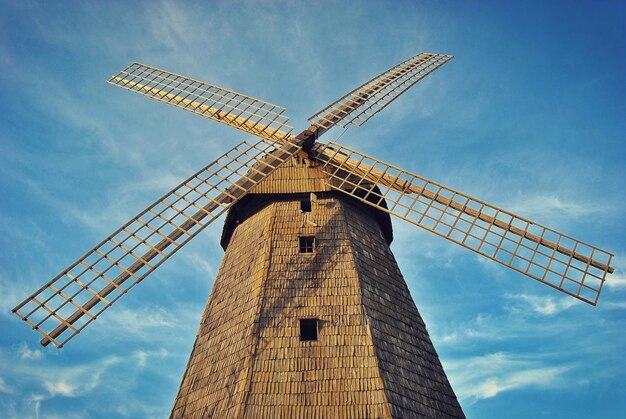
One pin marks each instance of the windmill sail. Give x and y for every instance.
(359, 105)
(569, 265)
(222, 105)
(78, 295)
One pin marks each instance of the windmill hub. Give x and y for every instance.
(307, 138)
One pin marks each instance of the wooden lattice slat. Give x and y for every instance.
(358, 106)
(79, 294)
(569, 265)
(243, 112)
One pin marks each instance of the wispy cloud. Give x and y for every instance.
(411, 242)
(132, 408)
(4, 388)
(545, 304)
(139, 321)
(516, 318)
(57, 380)
(200, 264)
(616, 281)
(143, 356)
(109, 211)
(482, 327)
(73, 381)
(26, 353)
(552, 205)
(150, 323)
(31, 386)
(486, 376)
(12, 293)
(169, 25)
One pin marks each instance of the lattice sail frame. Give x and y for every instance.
(559, 261)
(78, 295)
(359, 105)
(246, 113)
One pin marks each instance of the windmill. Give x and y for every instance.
(309, 315)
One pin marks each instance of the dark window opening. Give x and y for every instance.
(308, 329)
(305, 205)
(307, 244)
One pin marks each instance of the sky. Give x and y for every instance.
(528, 116)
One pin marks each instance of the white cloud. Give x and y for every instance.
(169, 25)
(490, 387)
(33, 385)
(29, 354)
(143, 357)
(482, 327)
(4, 388)
(149, 323)
(61, 388)
(55, 379)
(550, 207)
(411, 242)
(73, 381)
(544, 305)
(36, 402)
(484, 377)
(199, 263)
(616, 282)
(493, 269)
(133, 408)
(12, 293)
(112, 210)
(463, 335)
(137, 321)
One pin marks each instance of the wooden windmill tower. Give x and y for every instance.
(309, 315)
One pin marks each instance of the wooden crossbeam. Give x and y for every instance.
(359, 175)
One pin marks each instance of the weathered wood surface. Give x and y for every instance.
(299, 176)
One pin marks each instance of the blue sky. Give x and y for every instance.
(529, 116)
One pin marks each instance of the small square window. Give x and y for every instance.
(308, 329)
(305, 205)
(307, 244)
